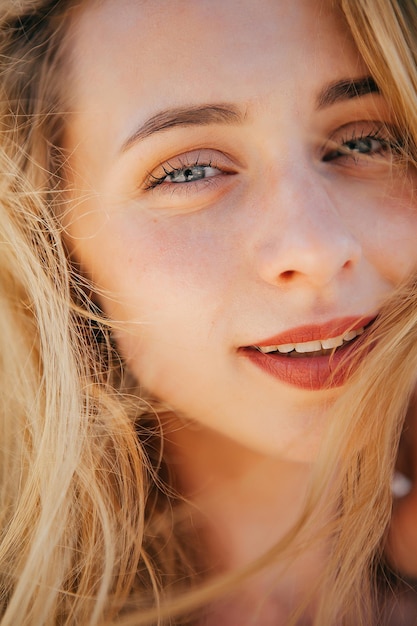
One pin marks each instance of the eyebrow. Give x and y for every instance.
(230, 114)
(346, 90)
(202, 115)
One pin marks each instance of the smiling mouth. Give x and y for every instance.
(319, 347)
(319, 356)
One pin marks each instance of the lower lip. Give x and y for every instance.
(313, 373)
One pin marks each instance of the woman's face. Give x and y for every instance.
(236, 187)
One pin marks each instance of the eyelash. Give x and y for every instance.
(387, 137)
(169, 169)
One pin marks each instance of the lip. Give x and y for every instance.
(314, 332)
(314, 372)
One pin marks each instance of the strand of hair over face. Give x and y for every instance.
(91, 525)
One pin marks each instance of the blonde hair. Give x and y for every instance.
(88, 509)
(81, 468)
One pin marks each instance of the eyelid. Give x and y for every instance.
(387, 134)
(204, 156)
(363, 128)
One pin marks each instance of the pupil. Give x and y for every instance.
(359, 145)
(195, 172)
(188, 174)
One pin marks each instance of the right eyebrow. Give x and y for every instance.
(346, 90)
(201, 115)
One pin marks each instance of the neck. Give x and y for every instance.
(247, 503)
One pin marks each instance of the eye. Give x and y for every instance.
(189, 174)
(191, 170)
(364, 145)
(359, 143)
(357, 147)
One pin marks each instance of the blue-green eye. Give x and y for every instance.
(190, 174)
(372, 140)
(359, 146)
(364, 145)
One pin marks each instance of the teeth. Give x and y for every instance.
(313, 346)
(335, 342)
(285, 348)
(308, 346)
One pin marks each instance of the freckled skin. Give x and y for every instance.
(280, 237)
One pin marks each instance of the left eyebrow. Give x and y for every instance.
(201, 115)
(346, 90)
(230, 114)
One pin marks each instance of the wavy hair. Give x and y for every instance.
(90, 522)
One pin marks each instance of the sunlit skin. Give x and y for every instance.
(304, 216)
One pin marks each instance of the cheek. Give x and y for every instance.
(386, 225)
(393, 243)
(139, 259)
(163, 268)
(167, 287)
(397, 253)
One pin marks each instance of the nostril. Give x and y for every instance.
(287, 275)
(308, 253)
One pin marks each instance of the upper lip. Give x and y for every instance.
(315, 332)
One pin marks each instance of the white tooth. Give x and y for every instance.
(313, 346)
(334, 342)
(308, 346)
(286, 347)
(267, 349)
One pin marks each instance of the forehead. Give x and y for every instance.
(150, 39)
(132, 58)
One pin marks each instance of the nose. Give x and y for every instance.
(306, 238)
